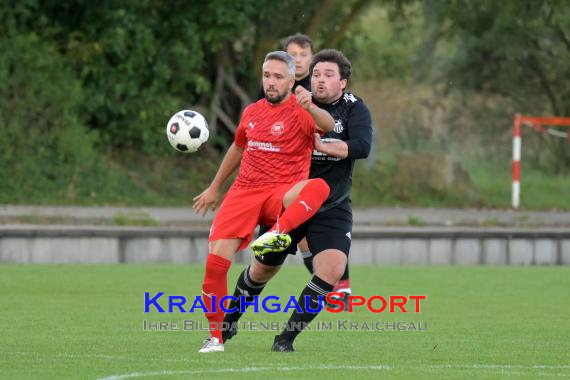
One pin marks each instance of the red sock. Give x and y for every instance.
(342, 284)
(215, 283)
(304, 206)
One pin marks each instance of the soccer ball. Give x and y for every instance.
(187, 130)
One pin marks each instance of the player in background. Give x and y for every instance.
(300, 47)
(328, 233)
(272, 147)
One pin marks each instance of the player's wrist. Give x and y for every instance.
(215, 186)
(313, 109)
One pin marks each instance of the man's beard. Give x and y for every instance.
(277, 98)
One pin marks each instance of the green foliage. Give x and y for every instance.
(415, 221)
(46, 155)
(85, 89)
(485, 61)
(43, 146)
(385, 52)
(539, 190)
(139, 62)
(134, 72)
(135, 219)
(515, 49)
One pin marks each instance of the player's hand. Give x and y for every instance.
(304, 97)
(319, 144)
(207, 199)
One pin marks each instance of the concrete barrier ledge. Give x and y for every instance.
(367, 232)
(63, 244)
(20, 230)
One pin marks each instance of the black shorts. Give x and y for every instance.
(330, 229)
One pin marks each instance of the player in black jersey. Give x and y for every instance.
(300, 47)
(328, 233)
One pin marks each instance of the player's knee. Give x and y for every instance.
(337, 272)
(330, 273)
(330, 265)
(225, 248)
(320, 187)
(262, 273)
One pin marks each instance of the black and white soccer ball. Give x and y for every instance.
(187, 130)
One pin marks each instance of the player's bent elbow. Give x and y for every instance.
(328, 123)
(325, 127)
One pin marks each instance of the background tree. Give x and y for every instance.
(518, 49)
(85, 88)
(101, 79)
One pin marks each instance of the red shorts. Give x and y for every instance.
(243, 209)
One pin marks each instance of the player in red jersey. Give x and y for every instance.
(273, 147)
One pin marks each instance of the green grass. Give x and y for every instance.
(415, 221)
(539, 190)
(174, 181)
(135, 219)
(85, 322)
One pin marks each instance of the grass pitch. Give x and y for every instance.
(86, 322)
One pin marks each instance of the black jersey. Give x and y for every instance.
(305, 83)
(353, 125)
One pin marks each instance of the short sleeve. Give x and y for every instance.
(240, 138)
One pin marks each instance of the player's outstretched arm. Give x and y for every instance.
(321, 117)
(337, 148)
(208, 199)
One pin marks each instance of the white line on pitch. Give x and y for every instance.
(497, 366)
(246, 369)
(507, 369)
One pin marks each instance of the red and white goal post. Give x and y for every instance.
(538, 124)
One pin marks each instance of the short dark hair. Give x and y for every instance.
(299, 39)
(335, 56)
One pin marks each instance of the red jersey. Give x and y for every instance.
(277, 141)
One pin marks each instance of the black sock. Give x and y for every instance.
(345, 275)
(245, 287)
(298, 321)
(308, 260)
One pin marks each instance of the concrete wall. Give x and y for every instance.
(370, 245)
